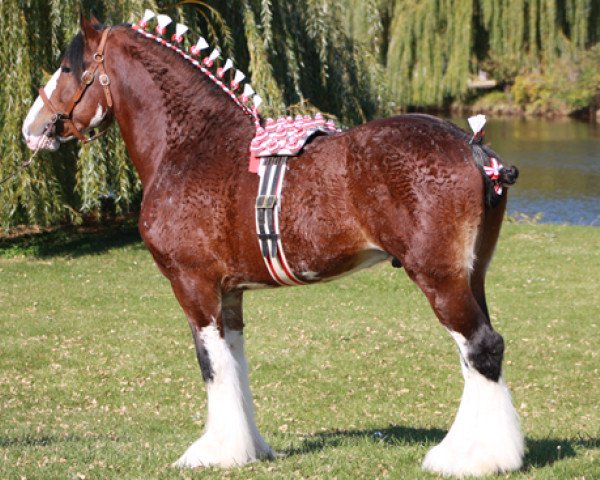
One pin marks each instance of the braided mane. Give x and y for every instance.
(243, 101)
(284, 137)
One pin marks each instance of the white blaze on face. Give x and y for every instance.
(32, 139)
(37, 106)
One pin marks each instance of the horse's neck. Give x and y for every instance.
(168, 111)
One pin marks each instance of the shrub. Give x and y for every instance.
(568, 85)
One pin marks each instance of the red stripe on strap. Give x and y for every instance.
(273, 272)
(290, 275)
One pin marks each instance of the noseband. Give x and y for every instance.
(87, 78)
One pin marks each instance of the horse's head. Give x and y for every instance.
(77, 98)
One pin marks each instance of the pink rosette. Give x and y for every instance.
(280, 133)
(261, 134)
(271, 145)
(270, 126)
(293, 142)
(256, 146)
(319, 120)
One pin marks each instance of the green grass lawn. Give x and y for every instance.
(352, 379)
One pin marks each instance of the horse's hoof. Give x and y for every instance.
(448, 461)
(205, 452)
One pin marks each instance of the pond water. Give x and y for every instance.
(559, 165)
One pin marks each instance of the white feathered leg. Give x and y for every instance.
(230, 437)
(485, 437)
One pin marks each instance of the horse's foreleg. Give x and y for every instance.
(485, 437)
(230, 436)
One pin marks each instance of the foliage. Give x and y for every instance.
(568, 86)
(34, 195)
(430, 48)
(523, 218)
(352, 379)
(494, 102)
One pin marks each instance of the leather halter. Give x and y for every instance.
(87, 78)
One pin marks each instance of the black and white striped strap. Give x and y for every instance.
(268, 204)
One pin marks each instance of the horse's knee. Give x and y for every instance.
(485, 352)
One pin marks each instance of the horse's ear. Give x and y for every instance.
(94, 20)
(87, 27)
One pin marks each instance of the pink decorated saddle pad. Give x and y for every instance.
(286, 136)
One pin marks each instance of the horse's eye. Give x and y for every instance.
(65, 69)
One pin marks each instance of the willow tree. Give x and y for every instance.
(431, 47)
(297, 53)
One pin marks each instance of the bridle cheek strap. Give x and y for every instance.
(87, 78)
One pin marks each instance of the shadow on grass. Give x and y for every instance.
(540, 452)
(546, 451)
(71, 241)
(391, 435)
(47, 440)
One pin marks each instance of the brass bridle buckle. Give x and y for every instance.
(103, 79)
(87, 77)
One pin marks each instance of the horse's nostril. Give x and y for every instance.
(50, 130)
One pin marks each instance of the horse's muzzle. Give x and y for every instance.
(42, 142)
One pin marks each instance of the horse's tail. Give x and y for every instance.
(509, 175)
(496, 177)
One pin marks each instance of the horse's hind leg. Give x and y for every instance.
(485, 437)
(484, 251)
(230, 437)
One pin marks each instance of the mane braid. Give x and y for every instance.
(251, 113)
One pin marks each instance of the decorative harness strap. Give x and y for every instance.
(268, 203)
(87, 78)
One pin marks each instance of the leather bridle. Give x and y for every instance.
(87, 78)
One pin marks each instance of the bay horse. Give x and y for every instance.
(406, 189)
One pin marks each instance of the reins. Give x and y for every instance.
(87, 78)
(26, 163)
